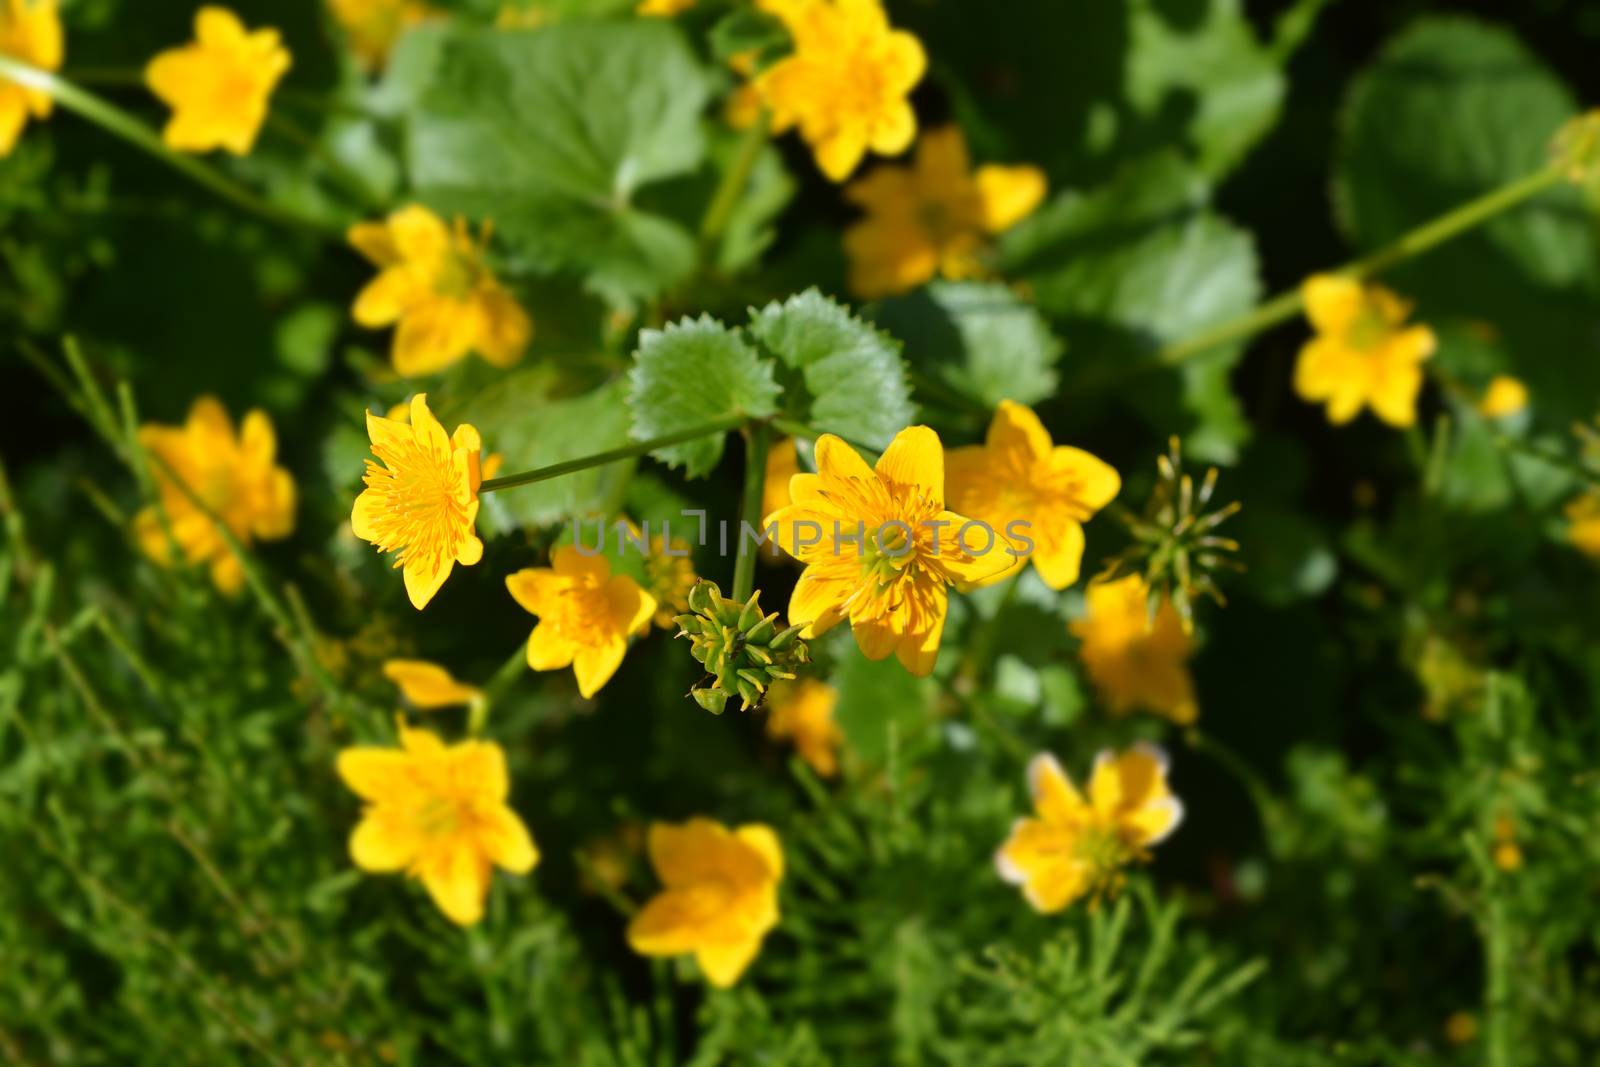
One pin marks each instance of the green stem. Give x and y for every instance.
(600, 459)
(1427, 236)
(723, 202)
(121, 124)
(757, 438)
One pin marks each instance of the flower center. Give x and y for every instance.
(1369, 329)
(582, 614)
(458, 274)
(1103, 853)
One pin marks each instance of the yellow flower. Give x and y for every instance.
(719, 895)
(1019, 473)
(373, 26)
(586, 615)
(1133, 661)
(845, 85)
(1461, 1028)
(663, 8)
(879, 547)
(1504, 396)
(1507, 853)
(30, 30)
(1077, 846)
(439, 813)
(236, 476)
(1363, 354)
(434, 282)
(933, 217)
(218, 86)
(421, 498)
(802, 712)
(744, 104)
(1583, 523)
(783, 463)
(427, 685)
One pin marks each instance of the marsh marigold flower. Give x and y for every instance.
(1363, 355)
(30, 30)
(846, 84)
(433, 281)
(1019, 473)
(719, 896)
(879, 547)
(1583, 523)
(586, 615)
(1077, 846)
(933, 217)
(218, 86)
(437, 812)
(427, 685)
(1503, 397)
(783, 463)
(237, 477)
(374, 26)
(801, 712)
(421, 499)
(1134, 661)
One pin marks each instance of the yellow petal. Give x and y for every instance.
(384, 299)
(836, 459)
(631, 607)
(424, 578)
(506, 841)
(1097, 482)
(376, 774)
(536, 589)
(1055, 798)
(764, 841)
(1058, 555)
(549, 649)
(1008, 194)
(840, 152)
(374, 242)
(593, 666)
(688, 853)
(1332, 302)
(919, 649)
(722, 964)
(818, 599)
(428, 685)
(434, 333)
(457, 878)
(915, 458)
(670, 924)
(381, 845)
(505, 329)
(1015, 431)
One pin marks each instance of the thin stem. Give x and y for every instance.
(1427, 236)
(757, 437)
(723, 202)
(600, 459)
(120, 123)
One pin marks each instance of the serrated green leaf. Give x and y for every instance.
(691, 373)
(522, 417)
(551, 132)
(977, 337)
(1140, 262)
(849, 378)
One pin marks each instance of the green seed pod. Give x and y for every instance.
(742, 650)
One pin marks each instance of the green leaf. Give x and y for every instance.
(978, 338)
(524, 418)
(848, 378)
(1137, 263)
(551, 133)
(689, 374)
(876, 697)
(1451, 110)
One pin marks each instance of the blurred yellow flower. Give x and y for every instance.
(1076, 846)
(1583, 523)
(433, 281)
(802, 712)
(1507, 853)
(421, 498)
(523, 16)
(427, 685)
(663, 8)
(879, 547)
(30, 30)
(1134, 661)
(846, 84)
(1363, 355)
(586, 615)
(933, 217)
(1019, 473)
(1461, 1028)
(218, 86)
(719, 895)
(744, 104)
(439, 813)
(236, 476)
(1504, 396)
(783, 463)
(373, 26)
(668, 578)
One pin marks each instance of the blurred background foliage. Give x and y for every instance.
(1407, 667)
